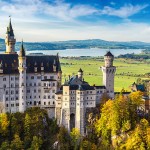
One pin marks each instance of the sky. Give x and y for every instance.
(60, 20)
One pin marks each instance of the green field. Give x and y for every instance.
(127, 70)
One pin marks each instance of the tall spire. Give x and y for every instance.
(10, 29)
(10, 39)
(22, 50)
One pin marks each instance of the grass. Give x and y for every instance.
(127, 70)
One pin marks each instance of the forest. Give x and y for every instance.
(121, 124)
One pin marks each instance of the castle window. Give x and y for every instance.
(28, 91)
(51, 77)
(38, 77)
(30, 103)
(34, 96)
(4, 79)
(44, 103)
(6, 98)
(39, 96)
(16, 78)
(91, 97)
(12, 92)
(4, 86)
(48, 103)
(39, 90)
(53, 84)
(12, 105)
(39, 84)
(53, 102)
(12, 78)
(45, 77)
(6, 92)
(34, 90)
(32, 77)
(87, 98)
(34, 84)
(87, 103)
(44, 84)
(53, 96)
(17, 104)
(16, 98)
(90, 91)
(44, 97)
(30, 84)
(49, 97)
(6, 105)
(39, 102)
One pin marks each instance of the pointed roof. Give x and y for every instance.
(80, 70)
(22, 51)
(10, 29)
(109, 54)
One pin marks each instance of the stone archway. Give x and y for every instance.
(72, 121)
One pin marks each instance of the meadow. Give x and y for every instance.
(127, 70)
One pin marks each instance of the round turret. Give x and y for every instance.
(80, 74)
(109, 57)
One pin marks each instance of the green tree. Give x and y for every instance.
(5, 146)
(36, 143)
(63, 139)
(75, 138)
(16, 144)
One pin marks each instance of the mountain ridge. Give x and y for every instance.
(79, 44)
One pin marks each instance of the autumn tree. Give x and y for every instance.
(75, 138)
(16, 144)
(118, 116)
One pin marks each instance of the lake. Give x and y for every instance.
(85, 52)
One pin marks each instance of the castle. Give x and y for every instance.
(34, 80)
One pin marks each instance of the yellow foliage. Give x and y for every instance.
(4, 123)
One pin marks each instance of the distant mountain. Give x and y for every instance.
(78, 44)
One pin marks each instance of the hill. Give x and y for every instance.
(77, 44)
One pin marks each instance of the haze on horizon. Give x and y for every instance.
(60, 20)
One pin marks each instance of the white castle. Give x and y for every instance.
(34, 80)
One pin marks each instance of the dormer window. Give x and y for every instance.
(42, 68)
(1, 67)
(35, 67)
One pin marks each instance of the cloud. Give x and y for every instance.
(57, 8)
(124, 11)
(38, 20)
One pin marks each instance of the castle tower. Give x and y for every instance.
(108, 73)
(65, 111)
(10, 40)
(22, 79)
(59, 72)
(80, 110)
(80, 74)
